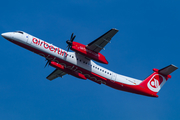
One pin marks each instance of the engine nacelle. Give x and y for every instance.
(80, 48)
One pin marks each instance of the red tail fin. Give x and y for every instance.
(155, 81)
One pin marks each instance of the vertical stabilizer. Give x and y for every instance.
(156, 80)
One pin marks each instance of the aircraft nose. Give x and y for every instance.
(6, 35)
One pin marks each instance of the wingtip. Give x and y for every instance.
(174, 66)
(115, 29)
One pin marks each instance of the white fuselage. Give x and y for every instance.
(77, 61)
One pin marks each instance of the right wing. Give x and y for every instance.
(56, 73)
(99, 44)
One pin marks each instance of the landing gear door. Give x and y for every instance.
(113, 76)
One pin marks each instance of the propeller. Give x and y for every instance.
(69, 42)
(47, 63)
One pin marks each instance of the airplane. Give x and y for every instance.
(80, 63)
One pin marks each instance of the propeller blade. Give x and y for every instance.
(47, 63)
(71, 36)
(68, 48)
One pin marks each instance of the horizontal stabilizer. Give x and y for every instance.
(168, 70)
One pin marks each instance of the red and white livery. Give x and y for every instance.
(80, 63)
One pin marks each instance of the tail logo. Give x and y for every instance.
(156, 82)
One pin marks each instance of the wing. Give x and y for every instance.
(56, 73)
(99, 44)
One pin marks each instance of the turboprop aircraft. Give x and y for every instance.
(80, 63)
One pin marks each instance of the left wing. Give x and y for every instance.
(56, 73)
(99, 44)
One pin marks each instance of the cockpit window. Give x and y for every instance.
(19, 32)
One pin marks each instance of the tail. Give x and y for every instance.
(155, 81)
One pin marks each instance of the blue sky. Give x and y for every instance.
(148, 38)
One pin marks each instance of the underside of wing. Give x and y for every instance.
(99, 44)
(56, 73)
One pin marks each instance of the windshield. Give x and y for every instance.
(19, 32)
